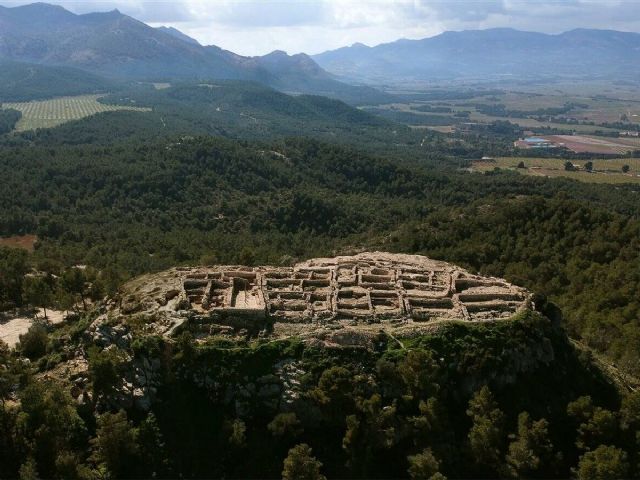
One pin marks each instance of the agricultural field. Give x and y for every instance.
(443, 129)
(596, 145)
(534, 124)
(604, 171)
(50, 113)
(584, 110)
(597, 106)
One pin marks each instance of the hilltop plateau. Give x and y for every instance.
(370, 353)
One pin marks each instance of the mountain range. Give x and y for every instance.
(115, 45)
(491, 54)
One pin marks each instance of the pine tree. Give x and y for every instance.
(300, 464)
(115, 447)
(596, 425)
(603, 463)
(424, 466)
(486, 437)
(39, 293)
(531, 447)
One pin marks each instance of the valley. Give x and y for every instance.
(544, 108)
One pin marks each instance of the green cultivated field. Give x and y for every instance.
(604, 171)
(50, 113)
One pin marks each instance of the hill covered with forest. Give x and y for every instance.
(20, 82)
(98, 395)
(232, 109)
(105, 394)
(123, 395)
(138, 207)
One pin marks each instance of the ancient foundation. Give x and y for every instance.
(369, 286)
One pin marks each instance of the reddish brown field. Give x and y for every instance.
(26, 242)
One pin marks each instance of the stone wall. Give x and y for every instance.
(373, 286)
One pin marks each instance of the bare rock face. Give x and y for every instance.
(351, 290)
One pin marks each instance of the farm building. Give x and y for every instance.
(582, 144)
(534, 142)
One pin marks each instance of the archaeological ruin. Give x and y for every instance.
(364, 287)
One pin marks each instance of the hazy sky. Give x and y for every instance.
(255, 27)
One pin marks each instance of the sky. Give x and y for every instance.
(257, 27)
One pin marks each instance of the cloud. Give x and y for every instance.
(246, 13)
(280, 13)
(258, 26)
(459, 11)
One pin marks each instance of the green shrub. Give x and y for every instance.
(33, 344)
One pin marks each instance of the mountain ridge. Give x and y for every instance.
(118, 46)
(489, 54)
(178, 34)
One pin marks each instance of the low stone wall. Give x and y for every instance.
(366, 287)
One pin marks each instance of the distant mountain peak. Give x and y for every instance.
(281, 60)
(41, 8)
(111, 14)
(121, 47)
(174, 32)
(276, 54)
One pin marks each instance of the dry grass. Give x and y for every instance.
(604, 171)
(26, 242)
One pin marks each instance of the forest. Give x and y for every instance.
(20, 82)
(274, 179)
(138, 208)
(465, 402)
(8, 120)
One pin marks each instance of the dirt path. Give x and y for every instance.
(11, 327)
(10, 331)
